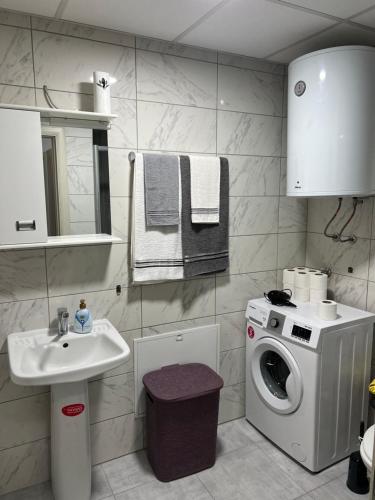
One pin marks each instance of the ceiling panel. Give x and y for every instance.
(341, 34)
(160, 19)
(41, 7)
(338, 8)
(254, 27)
(368, 19)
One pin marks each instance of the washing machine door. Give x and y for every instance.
(276, 376)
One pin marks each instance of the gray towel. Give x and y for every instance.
(205, 247)
(161, 189)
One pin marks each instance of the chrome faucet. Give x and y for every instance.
(63, 323)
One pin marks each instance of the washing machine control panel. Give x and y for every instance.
(301, 333)
(275, 322)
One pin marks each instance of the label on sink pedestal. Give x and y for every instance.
(73, 410)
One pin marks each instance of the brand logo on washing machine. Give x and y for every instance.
(250, 332)
(73, 410)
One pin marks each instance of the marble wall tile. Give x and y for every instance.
(234, 291)
(349, 291)
(120, 217)
(22, 275)
(232, 366)
(82, 31)
(175, 80)
(371, 274)
(323, 252)
(176, 49)
(253, 175)
(66, 100)
(16, 63)
(283, 163)
(322, 209)
(11, 94)
(232, 402)
(123, 311)
(80, 180)
(232, 330)
(249, 91)
(123, 131)
(14, 19)
(247, 134)
(81, 208)
(177, 325)
(292, 215)
(20, 316)
(371, 297)
(86, 268)
(79, 151)
(120, 172)
(116, 437)
(284, 138)
(285, 96)
(177, 301)
(253, 215)
(27, 420)
(24, 465)
(176, 128)
(252, 253)
(82, 227)
(250, 63)
(291, 250)
(9, 390)
(81, 58)
(111, 397)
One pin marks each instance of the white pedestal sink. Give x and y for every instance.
(42, 357)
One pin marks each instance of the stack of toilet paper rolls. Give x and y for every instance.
(306, 284)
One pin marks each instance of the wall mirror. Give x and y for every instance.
(76, 180)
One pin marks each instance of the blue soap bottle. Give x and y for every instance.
(82, 319)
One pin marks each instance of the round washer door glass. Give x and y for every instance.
(276, 376)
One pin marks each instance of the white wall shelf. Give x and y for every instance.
(67, 241)
(71, 114)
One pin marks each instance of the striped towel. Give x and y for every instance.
(156, 250)
(205, 189)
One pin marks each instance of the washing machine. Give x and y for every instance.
(307, 379)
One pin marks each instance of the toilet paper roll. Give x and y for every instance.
(318, 281)
(301, 268)
(288, 286)
(302, 279)
(302, 294)
(289, 276)
(317, 295)
(327, 310)
(102, 92)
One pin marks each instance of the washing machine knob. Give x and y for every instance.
(274, 322)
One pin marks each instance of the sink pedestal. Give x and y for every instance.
(70, 441)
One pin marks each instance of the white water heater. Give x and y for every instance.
(331, 123)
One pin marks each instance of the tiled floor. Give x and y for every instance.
(248, 467)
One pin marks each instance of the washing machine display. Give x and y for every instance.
(306, 379)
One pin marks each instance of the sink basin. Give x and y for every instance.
(41, 357)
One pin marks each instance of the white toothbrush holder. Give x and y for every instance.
(102, 92)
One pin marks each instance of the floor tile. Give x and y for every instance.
(302, 477)
(188, 488)
(128, 472)
(40, 491)
(100, 489)
(248, 473)
(334, 490)
(236, 434)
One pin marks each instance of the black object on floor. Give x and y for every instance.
(357, 475)
(182, 404)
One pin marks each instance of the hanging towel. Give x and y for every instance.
(205, 247)
(156, 251)
(161, 174)
(205, 189)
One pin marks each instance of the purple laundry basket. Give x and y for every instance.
(182, 406)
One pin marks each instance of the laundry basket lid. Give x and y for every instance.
(179, 382)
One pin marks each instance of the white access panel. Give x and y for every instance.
(22, 197)
(194, 345)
